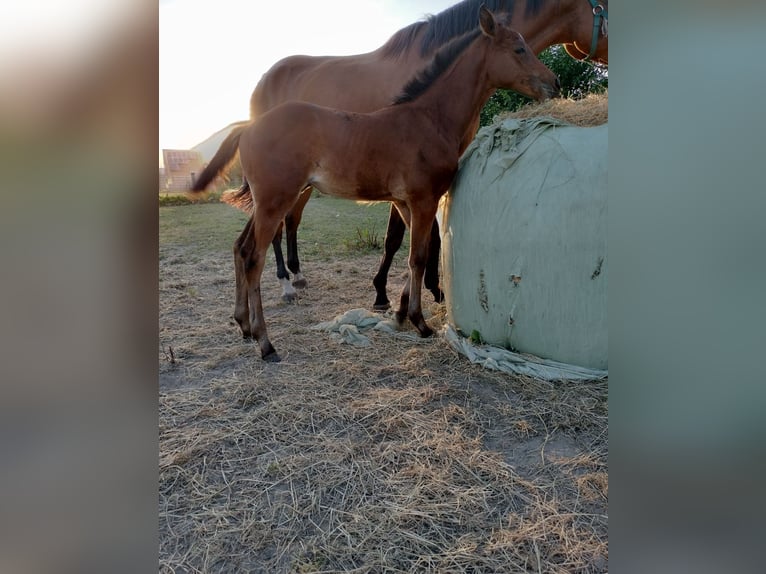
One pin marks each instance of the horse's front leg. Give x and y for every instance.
(422, 217)
(431, 279)
(391, 244)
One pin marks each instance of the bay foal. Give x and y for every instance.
(406, 153)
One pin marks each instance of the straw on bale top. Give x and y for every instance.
(592, 110)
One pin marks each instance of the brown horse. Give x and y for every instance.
(406, 153)
(368, 82)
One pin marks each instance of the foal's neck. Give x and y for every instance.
(453, 103)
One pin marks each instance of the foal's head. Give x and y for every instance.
(511, 62)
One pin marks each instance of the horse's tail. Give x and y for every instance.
(225, 155)
(241, 199)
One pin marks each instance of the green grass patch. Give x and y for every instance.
(167, 199)
(208, 227)
(367, 240)
(330, 227)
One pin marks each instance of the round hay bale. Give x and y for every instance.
(524, 235)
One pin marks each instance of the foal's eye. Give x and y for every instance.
(519, 50)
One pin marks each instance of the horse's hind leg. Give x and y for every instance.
(292, 221)
(242, 248)
(288, 293)
(391, 244)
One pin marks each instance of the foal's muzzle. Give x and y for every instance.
(554, 90)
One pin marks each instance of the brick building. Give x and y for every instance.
(181, 168)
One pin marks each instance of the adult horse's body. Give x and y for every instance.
(406, 153)
(368, 82)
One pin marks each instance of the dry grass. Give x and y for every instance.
(592, 110)
(401, 457)
(311, 479)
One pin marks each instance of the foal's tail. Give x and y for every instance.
(241, 199)
(222, 158)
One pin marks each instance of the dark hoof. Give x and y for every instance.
(244, 326)
(381, 306)
(300, 284)
(246, 334)
(426, 331)
(400, 317)
(269, 354)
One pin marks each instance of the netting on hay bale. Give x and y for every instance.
(524, 236)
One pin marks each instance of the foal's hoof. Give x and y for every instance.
(385, 306)
(269, 354)
(246, 334)
(300, 284)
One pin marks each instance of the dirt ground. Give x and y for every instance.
(398, 457)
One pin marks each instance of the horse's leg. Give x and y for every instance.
(421, 223)
(288, 293)
(292, 221)
(392, 243)
(431, 279)
(264, 226)
(242, 247)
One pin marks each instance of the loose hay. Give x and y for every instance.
(357, 476)
(401, 457)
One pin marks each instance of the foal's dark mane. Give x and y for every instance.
(455, 21)
(443, 59)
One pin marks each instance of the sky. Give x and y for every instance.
(213, 52)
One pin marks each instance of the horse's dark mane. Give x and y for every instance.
(403, 39)
(443, 59)
(448, 24)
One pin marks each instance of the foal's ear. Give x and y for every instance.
(487, 21)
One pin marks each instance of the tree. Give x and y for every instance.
(578, 79)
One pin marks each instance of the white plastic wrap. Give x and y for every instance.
(524, 237)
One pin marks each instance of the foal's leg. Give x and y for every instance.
(392, 243)
(264, 226)
(288, 293)
(292, 221)
(242, 248)
(403, 213)
(421, 222)
(431, 279)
